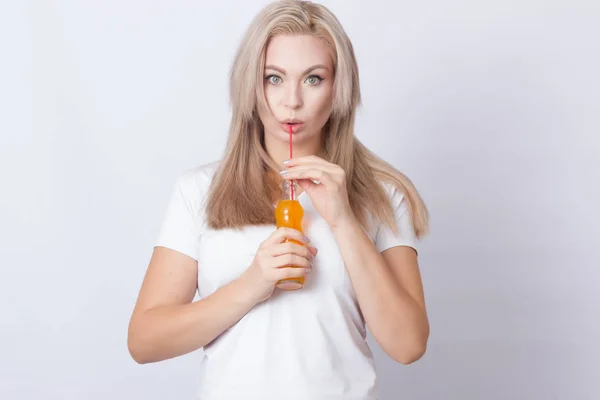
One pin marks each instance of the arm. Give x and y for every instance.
(165, 323)
(389, 291)
(388, 284)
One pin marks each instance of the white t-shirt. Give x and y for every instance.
(307, 344)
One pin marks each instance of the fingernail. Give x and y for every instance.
(286, 161)
(285, 171)
(307, 240)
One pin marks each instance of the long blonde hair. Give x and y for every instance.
(246, 183)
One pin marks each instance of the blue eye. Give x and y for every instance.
(274, 79)
(313, 80)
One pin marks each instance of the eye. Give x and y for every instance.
(313, 80)
(273, 79)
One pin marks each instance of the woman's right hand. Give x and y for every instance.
(273, 262)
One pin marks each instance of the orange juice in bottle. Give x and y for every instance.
(289, 214)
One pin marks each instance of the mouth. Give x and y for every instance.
(293, 124)
(292, 121)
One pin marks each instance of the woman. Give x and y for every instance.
(295, 69)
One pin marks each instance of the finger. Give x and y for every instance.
(307, 173)
(306, 160)
(331, 168)
(308, 184)
(291, 248)
(286, 273)
(290, 260)
(280, 234)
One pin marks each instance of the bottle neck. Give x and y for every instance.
(289, 190)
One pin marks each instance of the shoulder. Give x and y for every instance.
(184, 221)
(401, 232)
(197, 180)
(399, 206)
(394, 194)
(192, 185)
(395, 201)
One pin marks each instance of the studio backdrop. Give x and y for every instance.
(490, 107)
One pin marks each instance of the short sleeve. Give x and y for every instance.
(180, 229)
(385, 238)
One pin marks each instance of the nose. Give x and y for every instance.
(293, 97)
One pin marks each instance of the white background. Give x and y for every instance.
(491, 108)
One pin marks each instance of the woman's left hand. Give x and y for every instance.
(325, 184)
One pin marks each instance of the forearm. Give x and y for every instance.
(398, 323)
(169, 331)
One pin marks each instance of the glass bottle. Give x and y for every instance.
(289, 214)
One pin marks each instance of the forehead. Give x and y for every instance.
(297, 52)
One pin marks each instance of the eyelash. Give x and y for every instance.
(268, 79)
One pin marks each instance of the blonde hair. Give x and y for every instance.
(247, 183)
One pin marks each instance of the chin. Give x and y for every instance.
(281, 136)
(297, 138)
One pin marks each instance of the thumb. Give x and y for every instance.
(306, 184)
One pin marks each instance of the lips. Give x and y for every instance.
(294, 124)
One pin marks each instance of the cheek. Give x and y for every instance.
(322, 103)
(274, 94)
(270, 97)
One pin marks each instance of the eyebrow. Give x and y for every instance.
(276, 68)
